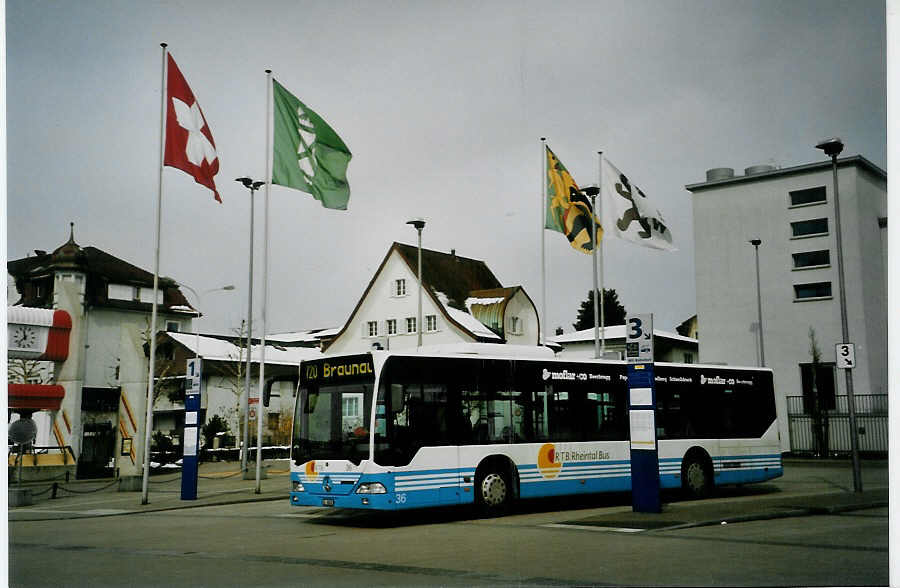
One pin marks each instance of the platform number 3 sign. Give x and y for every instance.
(846, 355)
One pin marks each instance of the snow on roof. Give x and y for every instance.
(181, 308)
(471, 323)
(613, 332)
(309, 336)
(218, 349)
(485, 301)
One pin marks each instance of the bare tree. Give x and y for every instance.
(820, 422)
(28, 371)
(235, 371)
(165, 380)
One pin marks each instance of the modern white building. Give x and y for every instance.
(462, 302)
(791, 211)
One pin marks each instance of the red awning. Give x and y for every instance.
(36, 396)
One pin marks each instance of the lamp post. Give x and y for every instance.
(832, 148)
(253, 186)
(199, 298)
(419, 224)
(762, 350)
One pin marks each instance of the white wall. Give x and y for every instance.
(725, 219)
(520, 306)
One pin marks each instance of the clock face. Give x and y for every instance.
(24, 337)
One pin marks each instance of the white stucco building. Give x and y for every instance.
(105, 375)
(462, 302)
(224, 382)
(791, 210)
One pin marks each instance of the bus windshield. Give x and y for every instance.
(331, 422)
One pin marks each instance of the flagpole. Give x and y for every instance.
(543, 241)
(600, 216)
(265, 282)
(148, 423)
(594, 268)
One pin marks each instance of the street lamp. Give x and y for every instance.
(199, 298)
(253, 186)
(419, 224)
(832, 148)
(762, 350)
(591, 192)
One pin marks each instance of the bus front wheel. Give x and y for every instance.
(696, 475)
(494, 492)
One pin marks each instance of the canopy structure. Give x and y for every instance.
(38, 333)
(35, 396)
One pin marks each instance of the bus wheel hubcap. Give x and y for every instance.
(493, 489)
(696, 476)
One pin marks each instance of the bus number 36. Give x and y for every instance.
(401, 498)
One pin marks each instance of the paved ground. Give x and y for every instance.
(806, 528)
(809, 487)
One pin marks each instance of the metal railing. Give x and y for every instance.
(833, 426)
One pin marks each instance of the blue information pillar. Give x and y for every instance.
(642, 415)
(190, 440)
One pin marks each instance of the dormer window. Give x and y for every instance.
(400, 287)
(515, 325)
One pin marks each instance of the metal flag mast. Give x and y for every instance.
(148, 423)
(543, 220)
(265, 281)
(599, 216)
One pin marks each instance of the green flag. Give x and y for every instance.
(307, 154)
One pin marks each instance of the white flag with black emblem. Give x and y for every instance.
(628, 215)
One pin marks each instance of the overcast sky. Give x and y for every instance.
(443, 105)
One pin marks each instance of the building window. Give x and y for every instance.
(431, 323)
(515, 325)
(809, 259)
(809, 228)
(400, 287)
(372, 328)
(811, 291)
(808, 196)
(392, 326)
(688, 358)
(411, 324)
(173, 326)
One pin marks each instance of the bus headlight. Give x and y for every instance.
(296, 486)
(371, 488)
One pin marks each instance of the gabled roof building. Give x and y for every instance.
(105, 375)
(462, 302)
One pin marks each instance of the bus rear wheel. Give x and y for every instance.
(696, 476)
(494, 492)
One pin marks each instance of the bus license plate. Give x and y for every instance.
(328, 502)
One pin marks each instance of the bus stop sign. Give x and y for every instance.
(846, 355)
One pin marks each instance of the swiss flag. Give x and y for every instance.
(189, 144)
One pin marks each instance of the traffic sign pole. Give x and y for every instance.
(191, 439)
(642, 414)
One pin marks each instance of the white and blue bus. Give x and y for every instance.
(388, 430)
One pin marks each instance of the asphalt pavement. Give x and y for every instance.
(808, 488)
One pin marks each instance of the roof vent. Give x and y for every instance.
(719, 173)
(758, 169)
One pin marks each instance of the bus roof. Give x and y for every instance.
(522, 352)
